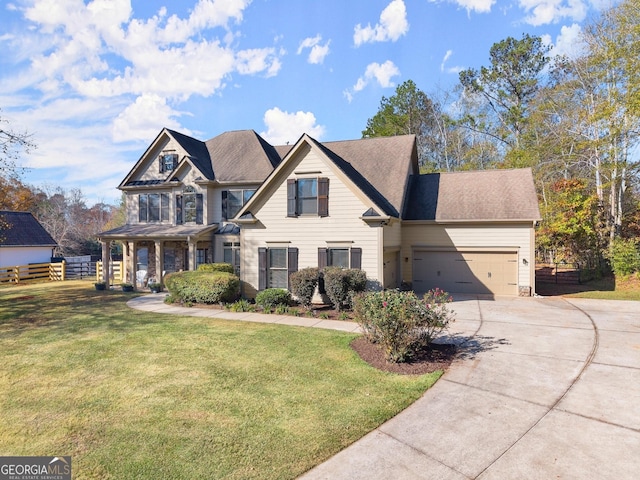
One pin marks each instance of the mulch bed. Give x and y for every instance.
(433, 358)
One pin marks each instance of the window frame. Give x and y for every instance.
(153, 211)
(168, 162)
(297, 198)
(233, 247)
(264, 267)
(244, 194)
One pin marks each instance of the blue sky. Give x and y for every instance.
(96, 81)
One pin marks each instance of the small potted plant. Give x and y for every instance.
(100, 285)
(155, 287)
(127, 287)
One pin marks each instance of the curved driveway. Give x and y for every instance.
(546, 388)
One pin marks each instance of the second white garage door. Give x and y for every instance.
(466, 272)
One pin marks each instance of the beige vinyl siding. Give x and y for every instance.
(149, 169)
(393, 235)
(515, 237)
(308, 232)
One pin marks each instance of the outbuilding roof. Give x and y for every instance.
(469, 196)
(23, 230)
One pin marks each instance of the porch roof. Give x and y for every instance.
(152, 232)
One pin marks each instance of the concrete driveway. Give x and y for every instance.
(547, 388)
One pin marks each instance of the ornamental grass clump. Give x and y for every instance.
(400, 322)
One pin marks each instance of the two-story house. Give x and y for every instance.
(358, 204)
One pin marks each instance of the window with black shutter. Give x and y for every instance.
(275, 265)
(308, 196)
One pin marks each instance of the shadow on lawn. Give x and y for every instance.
(66, 308)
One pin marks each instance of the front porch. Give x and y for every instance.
(151, 251)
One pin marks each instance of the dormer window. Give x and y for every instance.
(168, 162)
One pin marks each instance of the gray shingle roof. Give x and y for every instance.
(197, 151)
(479, 195)
(23, 230)
(241, 156)
(379, 166)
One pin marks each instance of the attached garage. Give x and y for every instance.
(471, 232)
(472, 272)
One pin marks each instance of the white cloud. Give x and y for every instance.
(381, 73)
(568, 43)
(285, 127)
(143, 119)
(542, 12)
(393, 24)
(444, 68)
(317, 51)
(98, 50)
(478, 6)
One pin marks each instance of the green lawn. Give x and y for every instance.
(130, 394)
(609, 288)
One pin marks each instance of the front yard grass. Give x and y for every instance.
(130, 394)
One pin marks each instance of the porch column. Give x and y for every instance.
(132, 263)
(105, 261)
(159, 260)
(192, 253)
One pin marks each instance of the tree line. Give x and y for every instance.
(63, 213)
(574, 120)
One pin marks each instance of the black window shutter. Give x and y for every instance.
(161, 164)
(322, 257)
(178, 209)
(199, 213)
(291, 197)
(323, 197)
(292, 262)
(174, 161)
(356, 258)
(225, 193)
(262, 268)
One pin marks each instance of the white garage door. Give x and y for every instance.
(466, 272)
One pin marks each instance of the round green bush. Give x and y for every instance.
(203, 287)
(272, 297)
(342, 284)
(303, 284)
(216, 267)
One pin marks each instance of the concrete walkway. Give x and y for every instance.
(545, 388)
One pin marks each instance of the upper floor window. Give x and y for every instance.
(153, 207)
(189, 206)
(189, 199)
(234, 200)
(308, 196)
(168, 162)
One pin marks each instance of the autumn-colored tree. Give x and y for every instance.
(570, 230)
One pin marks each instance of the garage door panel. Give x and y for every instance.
(466, 272)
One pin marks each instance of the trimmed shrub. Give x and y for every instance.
(624, 256)
(303, 284)
(216, 267)
(203, 287)
(342, 284)
(272, 297)
(401, 322)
